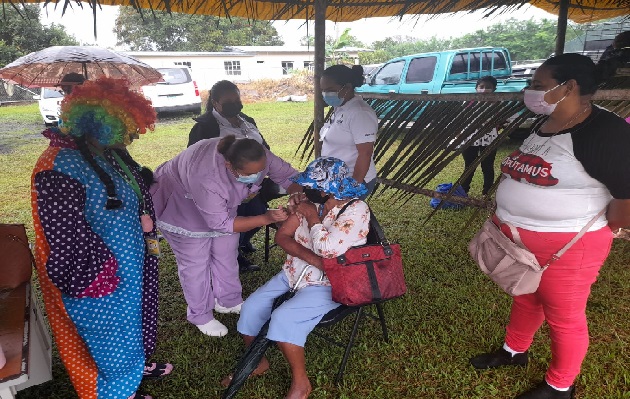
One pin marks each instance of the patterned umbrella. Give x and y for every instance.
(45, 68)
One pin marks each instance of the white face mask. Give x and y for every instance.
(480, 90)
(535, 101)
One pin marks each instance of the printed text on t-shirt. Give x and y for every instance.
(529, 168)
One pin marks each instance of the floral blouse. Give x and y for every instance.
(328, 239)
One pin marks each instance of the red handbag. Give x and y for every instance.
(368, 273)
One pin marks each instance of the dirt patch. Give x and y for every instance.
(270, 89)
(14, 134)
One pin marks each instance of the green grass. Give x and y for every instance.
(451, 311)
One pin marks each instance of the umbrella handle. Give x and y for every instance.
(299, 280)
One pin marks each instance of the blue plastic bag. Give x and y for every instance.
(444, 188)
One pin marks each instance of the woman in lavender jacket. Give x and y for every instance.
(196, 195)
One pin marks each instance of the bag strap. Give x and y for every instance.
(579, 235)
(517, 237)
(343, 208)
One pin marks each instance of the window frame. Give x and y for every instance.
(232, 67)
(401, 62)
(411, 63)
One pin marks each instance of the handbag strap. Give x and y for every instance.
(346, 205)
(517, 237)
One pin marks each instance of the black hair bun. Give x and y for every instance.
(358, 80)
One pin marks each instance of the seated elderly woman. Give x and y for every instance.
(316, 229)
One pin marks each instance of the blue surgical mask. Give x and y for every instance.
(332, 98)
(249, 179)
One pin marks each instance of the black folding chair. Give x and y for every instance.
(338, 314)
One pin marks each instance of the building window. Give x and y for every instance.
(184, 63)
(310, 65)
(232, 67)
(287, 67)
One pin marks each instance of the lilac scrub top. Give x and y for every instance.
(195, 194)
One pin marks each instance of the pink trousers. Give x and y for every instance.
(560, 299)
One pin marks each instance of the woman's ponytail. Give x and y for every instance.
(112, 201)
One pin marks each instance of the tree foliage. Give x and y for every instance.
(183, 32)
(525, 39)
(333, 44)
(22, 32)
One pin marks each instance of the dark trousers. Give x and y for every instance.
(256, 206)
(470, 154)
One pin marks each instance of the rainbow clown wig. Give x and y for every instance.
(106, 110)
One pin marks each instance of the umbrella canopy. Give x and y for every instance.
(47, 67)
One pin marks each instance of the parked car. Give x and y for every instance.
(178, 92)
(49, 103)
(369, 70)
(525, 70)
(453, 71)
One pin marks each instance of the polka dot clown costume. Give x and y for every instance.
(92, 213)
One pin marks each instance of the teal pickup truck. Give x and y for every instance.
(444, 72)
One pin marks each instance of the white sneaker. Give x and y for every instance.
(222, 309)
(213, 328)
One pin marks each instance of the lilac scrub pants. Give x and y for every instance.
(207, 269)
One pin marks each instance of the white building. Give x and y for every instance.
(238, 63)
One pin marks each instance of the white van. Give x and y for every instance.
(49, 104)
(178, 92)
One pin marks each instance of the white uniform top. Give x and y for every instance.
(245, 131)
(353, 123)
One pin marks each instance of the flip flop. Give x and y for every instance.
(141, 395)
(155, 371)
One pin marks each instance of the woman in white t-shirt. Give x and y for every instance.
(350, 133)
(572, 166)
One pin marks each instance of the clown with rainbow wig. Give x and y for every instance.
(95, 255)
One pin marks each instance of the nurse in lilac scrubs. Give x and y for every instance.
(196, 195)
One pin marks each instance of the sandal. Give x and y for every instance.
(154, 371)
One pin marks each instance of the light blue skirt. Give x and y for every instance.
(292, 321)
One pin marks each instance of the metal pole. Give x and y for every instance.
(563, 16)
(320, 59)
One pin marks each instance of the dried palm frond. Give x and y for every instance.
(346, 10)
(420, 135)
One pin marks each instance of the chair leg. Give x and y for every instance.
(267, 244)
(381, 317)
(346, 354)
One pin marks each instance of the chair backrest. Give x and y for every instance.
(372, 237)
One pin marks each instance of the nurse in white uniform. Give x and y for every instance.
(350, 133)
